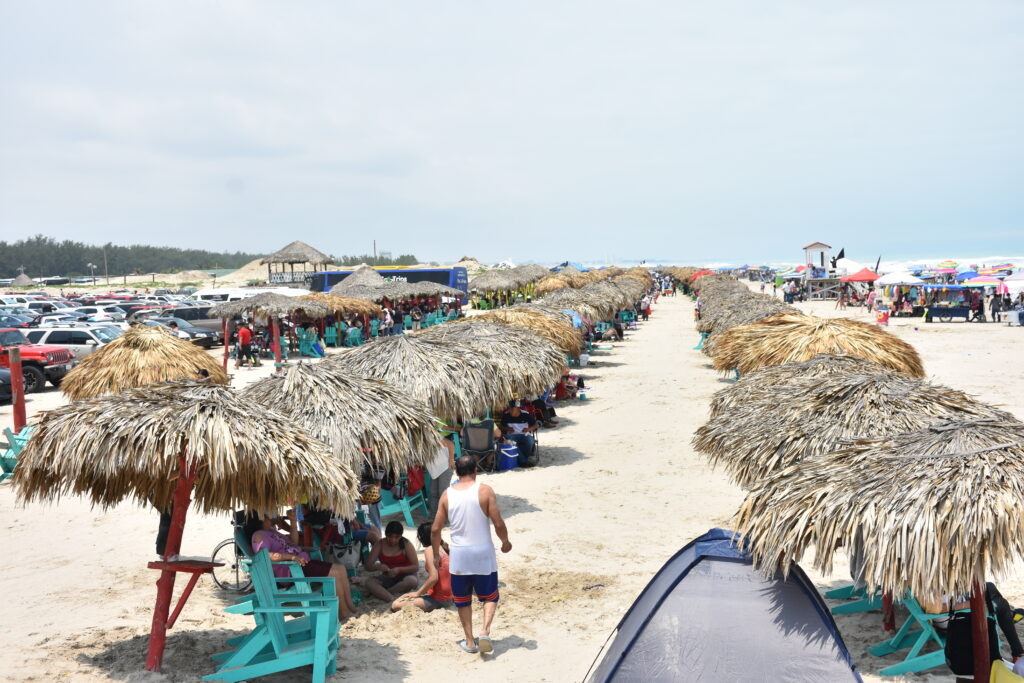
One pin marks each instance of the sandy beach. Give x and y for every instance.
(619, 491)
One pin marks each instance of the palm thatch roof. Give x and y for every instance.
(409, 290)
(343, 304)
(452, 381)
(269, 304)
(297, 252)
(599, 309)
(558, 330)
(773, 382)
(22, 281)
(816, 415)
(550, 283)
(533, 271)
(362, 420)
(751, 312)
(128, 445)
(495, 280)
(364, 283)
(789, 338)
(522, 361)
(142, 355)
(937, 508)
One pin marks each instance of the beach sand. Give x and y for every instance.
(619, 491)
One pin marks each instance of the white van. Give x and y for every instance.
(238, 293)
(11, 300)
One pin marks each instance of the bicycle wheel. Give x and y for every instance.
(233, 576)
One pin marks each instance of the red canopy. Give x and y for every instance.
(862, 275)
(699, 273)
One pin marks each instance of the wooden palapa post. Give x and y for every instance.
(165, 584)
(225, 344)
(979, 634)
(17, 388)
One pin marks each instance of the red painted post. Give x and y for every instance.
(17, 388)
(276, 331)
(165, 584)
(979, 634)
(225, 344)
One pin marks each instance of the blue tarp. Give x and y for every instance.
(578, 266)
(709, 616)
(966, 275)
(577, 321)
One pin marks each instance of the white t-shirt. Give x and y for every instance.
(439, 464)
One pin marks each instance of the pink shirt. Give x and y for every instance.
(276, 542)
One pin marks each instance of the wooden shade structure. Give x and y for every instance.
(272, 306)
(165, 444)
(296, 252)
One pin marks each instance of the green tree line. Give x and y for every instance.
(44, 256)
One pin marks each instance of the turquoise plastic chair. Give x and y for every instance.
(407, 322)
(389, 506)
(279, 644)
(374, 328)
(331, 335)
(9, 457)
(861, 601)
(306, 340)
(916, 633)
(354, 337)
(703, 338)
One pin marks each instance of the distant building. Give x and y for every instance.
(818, 255)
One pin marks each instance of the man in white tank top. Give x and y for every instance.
(470, 507)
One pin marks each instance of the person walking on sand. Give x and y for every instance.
(470, 507)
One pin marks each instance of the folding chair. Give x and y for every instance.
(478, 440)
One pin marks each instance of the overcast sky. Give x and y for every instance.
(591, 130)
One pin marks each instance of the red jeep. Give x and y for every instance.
(38, 363)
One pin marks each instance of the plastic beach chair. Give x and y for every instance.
(331, 335)
(15, 444)
(389, 505)
(916, 633)
(861, 601)
(278, 643)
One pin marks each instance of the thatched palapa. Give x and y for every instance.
(269, 304)
(343, 305)
(790, 338)
(818, 414)
(297, 252)
(364, 283)
(555, 329)
(142, 355)
(452, 382)
(495, 280)
(127, 446)
(938, 509)
(362, 420)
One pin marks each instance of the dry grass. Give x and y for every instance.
(142, 355)
(127, 446)
(937, 508)
(792, 338)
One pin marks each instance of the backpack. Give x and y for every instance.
(960, 642)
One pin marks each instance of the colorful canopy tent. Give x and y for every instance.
(948, 264)
(966, 275)
(862, 275)
(709, 615)
(987, 281)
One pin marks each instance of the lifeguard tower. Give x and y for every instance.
(820, 280)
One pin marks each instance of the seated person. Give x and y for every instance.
(281, 549)
(518, 427)
(395, 559)
(565, 388)
(542, 411)
(436, 591)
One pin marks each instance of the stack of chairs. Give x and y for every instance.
(9, 456)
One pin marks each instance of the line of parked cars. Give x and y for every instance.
(54, 333)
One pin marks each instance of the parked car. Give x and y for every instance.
(82, 339)
(196, 315)
(49, 319)
(200, 336)
(38, 363)
(101, 313)
(11, 320)
(6, 393)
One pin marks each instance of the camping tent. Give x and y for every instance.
(862, 275)
(709, 615)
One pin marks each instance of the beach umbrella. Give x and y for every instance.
(791, 338)
(600, 308)
(766, 433)
(966, 275)
(948, 264)
(522, 361)
(451, 380)
(165, 444)
(269, 305)
(361, 419)
(343, 304)
(987, 281)
(364, 283)
(774, 381)
(937, 510)
(744, 313)
(554, 329)
(550, 283)
(142, 355)
(494, 281)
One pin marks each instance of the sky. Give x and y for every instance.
(533, 131)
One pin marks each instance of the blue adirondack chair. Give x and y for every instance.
(307, 338)
(860, 600)
(331, 335)
(354, 337)
(407, 322)
(374, 328)
(916, 633)
(279, 644)
(703, 338)
(389, 505)
(9, 456)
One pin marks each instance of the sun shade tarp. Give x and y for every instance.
(709, 615)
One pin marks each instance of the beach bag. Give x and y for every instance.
(319, 349)
(960, 643)
(369, 493)
(348, 555)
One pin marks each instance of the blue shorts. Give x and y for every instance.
(361, 535)
(464, 585)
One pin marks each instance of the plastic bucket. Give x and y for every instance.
(882, 317)
(508, 457)
(584, 359)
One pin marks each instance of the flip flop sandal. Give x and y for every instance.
(484, 644)
(466, 648)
